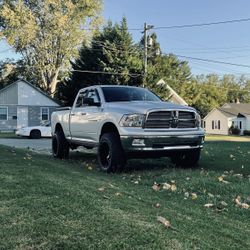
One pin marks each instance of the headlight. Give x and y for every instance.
(134, 120)
(198, 120)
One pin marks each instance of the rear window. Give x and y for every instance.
(128, 94)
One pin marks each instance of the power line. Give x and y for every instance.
(106, 72)
(203, 24)
(213, 61)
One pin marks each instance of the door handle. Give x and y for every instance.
(83, 113)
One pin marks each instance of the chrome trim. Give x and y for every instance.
(170, 148)
(170, 110)
(81, 140)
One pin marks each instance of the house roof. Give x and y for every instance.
(234, 109)
(173, 95)
(31, 85)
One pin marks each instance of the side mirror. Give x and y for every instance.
(90, 102)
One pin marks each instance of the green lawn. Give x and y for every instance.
(51, 204)
(8, 135)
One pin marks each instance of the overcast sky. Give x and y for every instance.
(224, 42)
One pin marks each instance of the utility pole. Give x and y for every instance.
(145, 59)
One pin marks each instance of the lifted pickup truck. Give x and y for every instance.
(126, 122)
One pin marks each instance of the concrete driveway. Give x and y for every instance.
(38, 145)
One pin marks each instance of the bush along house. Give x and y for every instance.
(22, 104)
(231, 118)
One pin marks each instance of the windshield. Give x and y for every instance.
(127, 94)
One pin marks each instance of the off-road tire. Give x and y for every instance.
(187, 158)
(60, 146)
(35, 134)
(111, 156)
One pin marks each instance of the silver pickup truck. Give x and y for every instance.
(125, 122)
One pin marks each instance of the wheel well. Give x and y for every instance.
(108, 128)
(58, 127)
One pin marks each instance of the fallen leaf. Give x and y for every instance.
(208, 205)
(210, 195)
(244, 205)
(173, 187)
(101, 189)
(166, 186)
(156, 187)
(118, 194)
(157, 205)
(194, 196)
(89, 168)
(163, 221)
(223, 203)
(136, 182)
(237, 201)
(186, 194)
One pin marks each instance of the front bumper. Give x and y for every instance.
(162, 143)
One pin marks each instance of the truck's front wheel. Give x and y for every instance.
(60, 146)
(186, 159)
(110, 153)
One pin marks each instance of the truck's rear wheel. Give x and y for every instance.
(186, 159)
(111, 157)
(60, 146)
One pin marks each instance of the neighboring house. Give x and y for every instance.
(22, 104)
(173, 96)
(219, 120)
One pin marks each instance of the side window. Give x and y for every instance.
(44, 113)
(81, 96)
(94, 94)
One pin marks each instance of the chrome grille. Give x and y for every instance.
(170, 119)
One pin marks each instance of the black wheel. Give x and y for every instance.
(186, 159)
(35, 134)
(60, 146)
(111, 156)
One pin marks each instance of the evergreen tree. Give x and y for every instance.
(111, 51)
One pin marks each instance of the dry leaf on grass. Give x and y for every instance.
(166, 186)
(194, 196)
(157, 205)
(118, 194)
(240, 204)
(101, 189)
(208, 205)
(156, 187)
(163, 221)
(221, 179)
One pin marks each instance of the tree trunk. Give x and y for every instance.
(53, 83)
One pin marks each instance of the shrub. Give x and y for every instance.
(234, 130)
(246, 132)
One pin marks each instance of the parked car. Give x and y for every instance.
(125, 122)
(35, 132)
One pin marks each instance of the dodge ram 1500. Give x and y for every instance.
(124, 122)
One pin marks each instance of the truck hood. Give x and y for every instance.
(143, 107)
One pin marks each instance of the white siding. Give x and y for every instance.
(248, 122)
(29, 96)
(216, 115)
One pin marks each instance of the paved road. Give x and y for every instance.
(40, 145)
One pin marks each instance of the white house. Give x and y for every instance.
(219, 120)
(22, 104)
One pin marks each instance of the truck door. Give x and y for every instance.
(84, 118)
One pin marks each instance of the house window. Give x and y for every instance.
(204, 124)
(212, 124)
(240, 125)
(45, 114)
(3, 113)
(219, 124)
